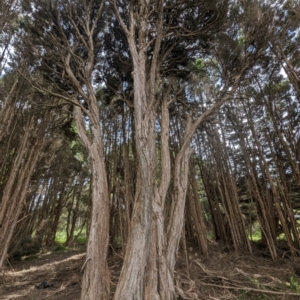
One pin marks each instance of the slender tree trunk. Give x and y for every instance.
(195, 211)
(178, 204)
(129, 179)
(74, 216)
(9, 108)
(159, 282)
(14, 193)
(95, 280)
(229, 195)
(57, 212)
(69, 210)
(261, 200)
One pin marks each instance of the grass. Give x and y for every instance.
(294, 284)
(249, 296)
(80, 237)
(256, 236)
(60, 237)
(253, 296)
(256, 233)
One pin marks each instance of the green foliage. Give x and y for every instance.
(281, 87)
(118, 242)
(256, 233)
(81, 238)
(294, 284)
(78, 150)
(60, 237)
(256, 236)
(199, 63)
(256, 282)
(241, 40)
(253, 296)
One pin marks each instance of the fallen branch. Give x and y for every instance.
(248, 289)
(82, 268)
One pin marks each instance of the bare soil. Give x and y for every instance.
(223, 275)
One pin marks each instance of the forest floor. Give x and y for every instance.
(224, 275)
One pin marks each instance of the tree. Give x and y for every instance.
(10, 85)
(152, 30)
(26, 150)
(67, 39)
(162, 39)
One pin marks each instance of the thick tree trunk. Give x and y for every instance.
(131, 281)
(95, 281)
(146, 81)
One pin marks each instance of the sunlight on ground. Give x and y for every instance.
(45, 266)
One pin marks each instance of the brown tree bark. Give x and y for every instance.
(95, 284)
(196, 212)
(130, 284)
(14, 194)
(131, 281)
(229, 196)
(263, 203)
(74, 66)
(159, 282)
(9, 108)
(148, 214)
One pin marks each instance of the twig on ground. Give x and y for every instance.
(62, 288)
(248, 289)
(11, 267)
(116, 252)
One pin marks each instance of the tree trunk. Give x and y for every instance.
(195, 211)
(178, 204)
(131, 281)
(95, 281)
(14, 193)
(159, 283)
(9, 108)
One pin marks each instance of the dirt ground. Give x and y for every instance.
(223, 275)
